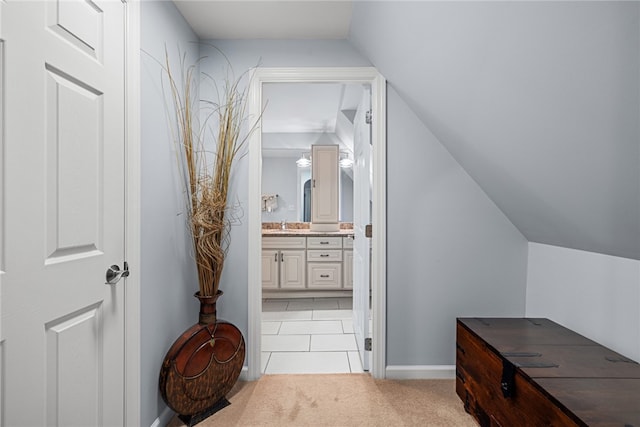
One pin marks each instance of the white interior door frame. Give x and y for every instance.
(132, 215)
(364, 75)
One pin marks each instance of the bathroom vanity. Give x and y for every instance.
(299, 262)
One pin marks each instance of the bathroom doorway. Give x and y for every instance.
(342, 305)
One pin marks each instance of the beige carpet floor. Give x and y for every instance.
(340, 400)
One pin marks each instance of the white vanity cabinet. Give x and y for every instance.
(307, 263)
(283, 262)
(325, 173)
(324, 262)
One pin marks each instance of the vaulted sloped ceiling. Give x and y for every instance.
(538, 101)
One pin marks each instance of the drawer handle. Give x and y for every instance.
(324, 255)
(324, 243)
(324, 276)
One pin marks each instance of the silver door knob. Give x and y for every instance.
(114, 274)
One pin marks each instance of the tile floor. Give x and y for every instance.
(308, 336)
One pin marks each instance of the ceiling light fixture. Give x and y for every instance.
(304, 161)
(345, 161)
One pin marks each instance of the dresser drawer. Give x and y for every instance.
(328, 255)
(324, 242)
(284, 242)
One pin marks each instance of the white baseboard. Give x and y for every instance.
(420, 372)
(244, 374)
(164, 418)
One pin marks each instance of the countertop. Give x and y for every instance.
(303, 229)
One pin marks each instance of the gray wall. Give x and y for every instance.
(538, 101)
(168, 278)
(595, 295)
(450, 251)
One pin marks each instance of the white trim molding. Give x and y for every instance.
(365, 75)
(421, 372)
(164, 418)
(132, 220)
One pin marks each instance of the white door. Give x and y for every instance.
(63, 165)
(362, 190)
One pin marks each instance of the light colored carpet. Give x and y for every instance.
(340, 400)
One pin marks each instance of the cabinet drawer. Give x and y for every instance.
(324, 242)
(284, 242)
(324, 275)
(329, 255)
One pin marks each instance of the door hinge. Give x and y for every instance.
(367, 344)
(368, 117)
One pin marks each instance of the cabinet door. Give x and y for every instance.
(324, 183)
(270, 265)
(292, 269)
(347, 282)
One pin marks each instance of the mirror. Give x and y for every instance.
(292, 185)
(296, 116)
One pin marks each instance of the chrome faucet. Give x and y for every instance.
(283, 224)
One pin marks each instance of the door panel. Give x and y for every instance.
(80, 23)
(69, 365)
(74, 170)
(63, 327)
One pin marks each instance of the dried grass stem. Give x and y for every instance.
(207, 184)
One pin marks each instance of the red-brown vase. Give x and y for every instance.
(202, 365)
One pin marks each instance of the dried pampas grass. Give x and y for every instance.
(207, 182)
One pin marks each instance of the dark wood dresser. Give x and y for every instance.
(533, 372)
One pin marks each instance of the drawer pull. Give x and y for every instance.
(324, 255)
(324, 276)
(324, 243)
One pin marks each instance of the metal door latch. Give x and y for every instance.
(114, 274)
